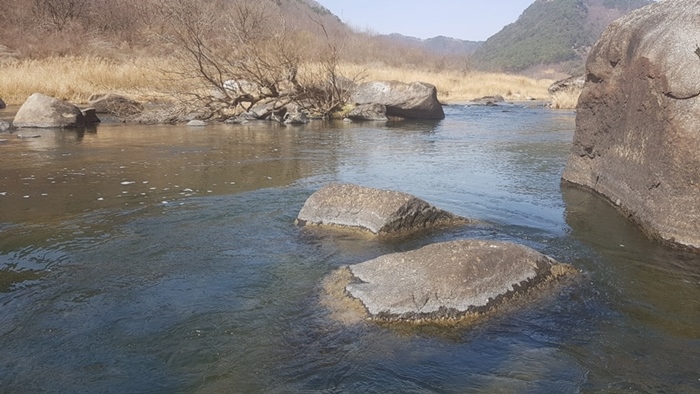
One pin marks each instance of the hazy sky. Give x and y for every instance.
(474, 20)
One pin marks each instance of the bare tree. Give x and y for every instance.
(326, 89)
(236, 51)
(58, 14)
(242, 52)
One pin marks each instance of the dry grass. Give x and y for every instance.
(76, 78)
(566, 99)
(454, 86)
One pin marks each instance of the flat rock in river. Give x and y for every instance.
(449, 280)
(374, 210)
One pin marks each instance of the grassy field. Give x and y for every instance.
(565, 99)
(76, 78)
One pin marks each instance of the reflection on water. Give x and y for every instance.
(66, 172)
(164, 259)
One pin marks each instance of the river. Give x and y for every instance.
(164, 259)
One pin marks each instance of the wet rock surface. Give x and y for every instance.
(450, 280)
(374, 210)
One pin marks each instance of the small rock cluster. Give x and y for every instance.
(42, 111)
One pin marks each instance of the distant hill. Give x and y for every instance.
(439, 45)
(552, 32)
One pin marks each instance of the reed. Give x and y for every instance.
(456, 86)
(566, 99)
(75, 78)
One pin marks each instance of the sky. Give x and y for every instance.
(474, 20)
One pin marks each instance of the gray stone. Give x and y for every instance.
(295, 115)
(368, 112)
(243, 118)
(636, 139)
(246, 90)
(4, 126)
(269, 109)
(115, 104)
(374, 210)
(488, 100)
(196, 123)
(2, 104)
(449, 280)
(41, 111)
(415, 100)
(575, 82)
(90, 117)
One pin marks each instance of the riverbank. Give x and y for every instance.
(155, 79)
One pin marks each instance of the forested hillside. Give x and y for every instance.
(552, 31)
(39, 28)
(36, 29)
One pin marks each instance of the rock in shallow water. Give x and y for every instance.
(450, 280)
(374, 210)
(41, 111)
(417, 100)
(637, 140)
(196, 123)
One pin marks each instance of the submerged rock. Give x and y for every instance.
(637, 140)
(446, 281)
(489, 101)
(374, 210)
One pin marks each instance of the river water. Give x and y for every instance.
(163, 259)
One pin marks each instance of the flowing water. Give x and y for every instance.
(163, 259)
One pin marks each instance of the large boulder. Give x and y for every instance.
(414, 100)
(445, 281)
(114, 104)
(637, 141)
(377, 211)
(368, 112)
(41, 111)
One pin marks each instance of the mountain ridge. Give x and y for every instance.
(552, 32)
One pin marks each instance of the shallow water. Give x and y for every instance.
(165, 259)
